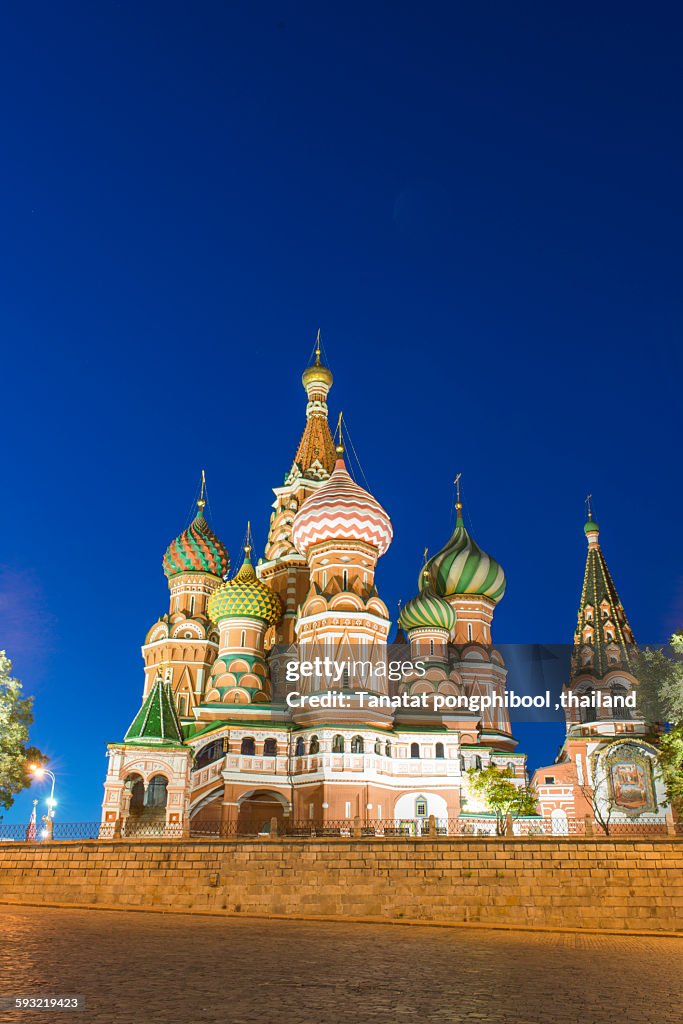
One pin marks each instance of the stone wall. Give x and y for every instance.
(630, 884)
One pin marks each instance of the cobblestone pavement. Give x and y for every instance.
(173, 969)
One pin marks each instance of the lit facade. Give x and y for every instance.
(607, 766)
(215, 743)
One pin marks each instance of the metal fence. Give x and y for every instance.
(475, 826)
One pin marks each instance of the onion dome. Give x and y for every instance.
(317, 373)
(461, 567)
(197, 549)
(245, 596)
(341, 510)
(591, 526)
(426, 611)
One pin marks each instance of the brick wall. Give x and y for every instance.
(605, 883)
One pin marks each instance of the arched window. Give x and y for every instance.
(338, 745)
(136, 786)
(387, 749)
(477, 763)
(439, 750)
(299, 751)
(619, 710)
(156, 795)
(209, 753)
(378, 746)
(511, 767)
(357, 745)
(414, 749)
(314, 745)
(243, 638)
(469, 630)
(463, 766)
(590, 712)
(270, 748)
(182, 705)
(248, 746)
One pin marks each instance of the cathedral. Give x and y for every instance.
(228, 739)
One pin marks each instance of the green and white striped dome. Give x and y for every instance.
(425, 611)
(461, 567)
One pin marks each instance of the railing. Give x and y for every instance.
(475, 826)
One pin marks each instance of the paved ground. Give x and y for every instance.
(175, 969)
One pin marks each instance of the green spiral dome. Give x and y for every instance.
(425, 611)
(461, 567)
(245, 596)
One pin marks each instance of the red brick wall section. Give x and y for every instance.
(617, 883)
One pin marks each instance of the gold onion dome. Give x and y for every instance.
(317, 373)
(461, 567)
(427, 611)
(245, 596)
(197, 549)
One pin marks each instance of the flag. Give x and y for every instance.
(31, 830)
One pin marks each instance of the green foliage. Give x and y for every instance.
(660, 694)
(501, 794)
(15, 719)
(660, 697)
(671, 765)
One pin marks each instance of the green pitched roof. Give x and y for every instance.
(602, 615)
(157, 720)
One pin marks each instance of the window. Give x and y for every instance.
(270, 748)
(414, 749)
(439, 750)
(299, 751)
(192, 605)
(420, 807)
(549, 780)
(324, 578)
(314, 745)
(248, 746)
(431, 646)
(156, 795)
(469, 630)
(477, 763)
(338, 745)
(511, 767)
(347, 813)
(357, 745)
(136, 787)
(345, 679)
(243, 638)
(387, 749)
(345, 579)
(182, 705)
(378, 746)
(209, 753)
(463, 766)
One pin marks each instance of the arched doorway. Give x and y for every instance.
(257, 807)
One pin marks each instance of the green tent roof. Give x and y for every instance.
(157, 720)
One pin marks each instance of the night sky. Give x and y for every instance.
(479, 205)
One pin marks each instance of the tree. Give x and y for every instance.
(501, 794)
(15, 719)
(597, 795)
(660, 697)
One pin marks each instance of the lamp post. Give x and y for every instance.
(39, 771)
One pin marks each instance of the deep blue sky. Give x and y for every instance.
(480, 205)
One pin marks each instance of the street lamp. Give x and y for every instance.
(39, 771)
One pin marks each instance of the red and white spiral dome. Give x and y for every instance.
(341, 510)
